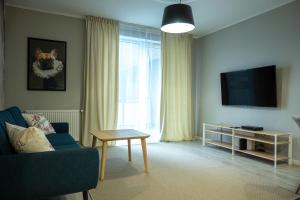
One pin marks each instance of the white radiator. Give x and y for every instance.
(70, 116)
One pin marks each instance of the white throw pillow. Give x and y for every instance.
(28, 140)
(39, 121)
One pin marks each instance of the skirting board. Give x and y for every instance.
(197, 137)
(296, 162)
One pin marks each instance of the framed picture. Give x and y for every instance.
(46, 65)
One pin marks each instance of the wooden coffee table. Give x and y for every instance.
(114, 135)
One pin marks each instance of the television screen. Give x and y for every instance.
(251, 87)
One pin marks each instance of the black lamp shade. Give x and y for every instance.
(178, 14)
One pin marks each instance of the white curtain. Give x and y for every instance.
(101, 76)
(176, 99)
(139, 79)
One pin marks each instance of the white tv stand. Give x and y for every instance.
(273, 138)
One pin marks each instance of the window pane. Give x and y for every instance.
(139, 80)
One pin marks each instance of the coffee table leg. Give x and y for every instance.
(129, 150)
(94, 141)
(144, 147)
(103, 161)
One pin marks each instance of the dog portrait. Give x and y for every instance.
(46, 65)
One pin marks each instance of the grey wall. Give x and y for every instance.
(271, 38)
(21, 24)
(1, 53)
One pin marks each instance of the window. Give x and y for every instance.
(139, 80)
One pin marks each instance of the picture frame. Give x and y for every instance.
(47, 62)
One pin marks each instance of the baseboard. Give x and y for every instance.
(197, 137)
(296, 162)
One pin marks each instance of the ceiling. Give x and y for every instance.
(209, 15)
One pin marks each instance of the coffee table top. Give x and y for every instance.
(121, 134)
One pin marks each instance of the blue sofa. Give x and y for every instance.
(68, 169)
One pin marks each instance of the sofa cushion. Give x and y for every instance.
(67, 146)
(39, 121)
(5, 146)
(28, 140)
(61, 127)
(17, 115)
(60, 139)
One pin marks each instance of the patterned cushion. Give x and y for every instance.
(39, 121)
(28, 140)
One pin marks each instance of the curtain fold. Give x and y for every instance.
(176, 97)
(100, 76)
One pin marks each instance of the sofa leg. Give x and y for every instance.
(85, 195)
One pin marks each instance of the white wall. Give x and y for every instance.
(271, 38)
(21, 24)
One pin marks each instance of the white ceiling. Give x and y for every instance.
(209, 15)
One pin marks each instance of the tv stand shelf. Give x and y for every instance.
(273, 138)
(220, 144)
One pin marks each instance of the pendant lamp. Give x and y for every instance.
(177, 18)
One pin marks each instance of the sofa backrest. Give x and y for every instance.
(13, 116)
(17, 115)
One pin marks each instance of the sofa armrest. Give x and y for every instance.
(61, 127)
(45, 174)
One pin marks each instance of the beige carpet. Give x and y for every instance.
(186, 170)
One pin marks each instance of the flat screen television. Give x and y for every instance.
(251, 87)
